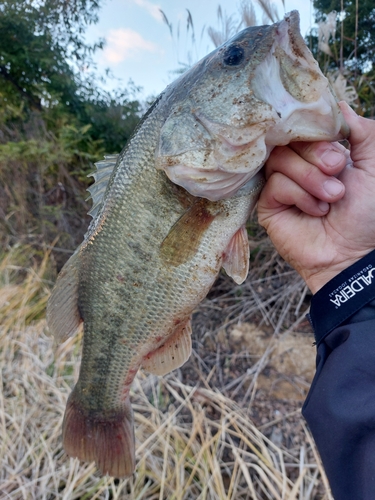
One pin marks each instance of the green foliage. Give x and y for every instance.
(345, 49)
(43, 56)
(54, 122)
(112, 117)
(40, 197)
(40, 39)
(355, 44)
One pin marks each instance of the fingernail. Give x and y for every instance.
(333, 187)
(331, 158)
(323, 206)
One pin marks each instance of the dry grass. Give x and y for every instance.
(24, 291)
(193, 440)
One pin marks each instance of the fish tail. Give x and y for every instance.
(107, 440)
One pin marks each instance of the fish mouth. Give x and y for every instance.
(291, 82)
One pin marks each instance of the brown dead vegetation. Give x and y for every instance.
(225, 426)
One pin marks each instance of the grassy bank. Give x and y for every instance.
(195, 428)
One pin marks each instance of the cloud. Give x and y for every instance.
(125, 44)
(151, 8)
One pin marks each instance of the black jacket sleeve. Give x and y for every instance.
(340, 406)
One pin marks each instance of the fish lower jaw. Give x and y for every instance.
(310, 123)
(219, 173)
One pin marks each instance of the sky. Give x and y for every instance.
(139, 46)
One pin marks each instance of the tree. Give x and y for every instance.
(41, 41)
(354, 45)
(55, 121)
(345, 48)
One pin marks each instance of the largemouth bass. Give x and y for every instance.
(168, 213)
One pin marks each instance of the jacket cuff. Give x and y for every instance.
(343, 296)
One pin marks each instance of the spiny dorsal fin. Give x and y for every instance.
(63, 316)
(102, 175)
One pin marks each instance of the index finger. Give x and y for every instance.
(311, 178)
(329, 157)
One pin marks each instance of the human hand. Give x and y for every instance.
(321, 224)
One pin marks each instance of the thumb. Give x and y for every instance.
(362, 136)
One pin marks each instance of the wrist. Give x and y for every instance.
(343, 296)
(316, 280)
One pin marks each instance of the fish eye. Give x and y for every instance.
(234, 55)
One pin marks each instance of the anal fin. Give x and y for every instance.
(172, 354)
(236, 256)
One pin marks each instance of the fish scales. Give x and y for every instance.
(129, 293)
(129, 272)
(128, 296)
(173, 212)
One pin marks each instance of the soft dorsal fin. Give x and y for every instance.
(172, 354)
(236, 257)
(63, 316)
(102, 175)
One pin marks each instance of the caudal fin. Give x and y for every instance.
(107, 440)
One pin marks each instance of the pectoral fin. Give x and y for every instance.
(171, 355)
(183, 239)
(236, 256)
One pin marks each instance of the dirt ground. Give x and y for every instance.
(268, 376)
